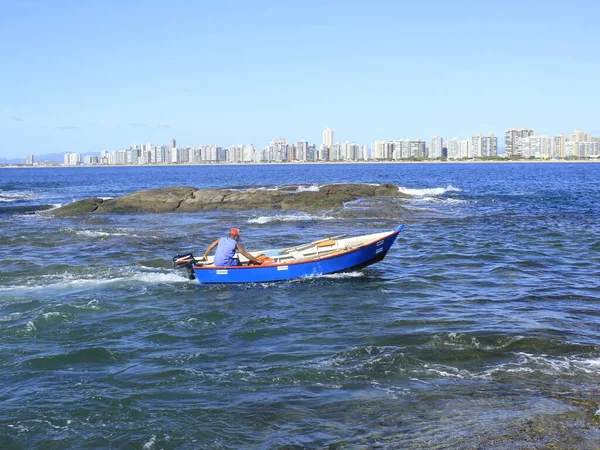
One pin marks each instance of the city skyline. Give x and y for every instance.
(81, 77)
(521, 143)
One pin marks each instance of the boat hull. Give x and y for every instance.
(353, 259)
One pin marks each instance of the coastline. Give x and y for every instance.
(298, 163)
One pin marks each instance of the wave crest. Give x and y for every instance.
(429, 191)
(287, 218)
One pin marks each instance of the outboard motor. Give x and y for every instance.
(185, 261)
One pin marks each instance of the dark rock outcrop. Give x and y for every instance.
(186, 199)
(79, 207)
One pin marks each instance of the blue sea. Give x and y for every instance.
(479, 330)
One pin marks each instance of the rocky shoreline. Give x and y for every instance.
(188, 199)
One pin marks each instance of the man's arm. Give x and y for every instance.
(210, 247)
(246, 254)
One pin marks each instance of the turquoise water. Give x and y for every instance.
(480, 329)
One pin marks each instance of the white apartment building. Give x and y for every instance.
(539, 147)
(72, 159)
(512, 140)
(417, 149)
(558, 147)
(301, 150)
(459, 149)
(453, 148)
(378, 150)
(483, 146)
(436, 144)
(465, 149)
(328, 137)
(582, 149)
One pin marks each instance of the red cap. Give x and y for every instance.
(235, 232)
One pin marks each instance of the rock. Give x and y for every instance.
(187, 199)
(152, 200)
(80, 207)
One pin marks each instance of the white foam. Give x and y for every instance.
(287, 218)
(335, 276)
(93, 233)
(264, 188)
(343, 275)
(70, 282)
(51, 315)
(428, 192)
(159, 277)
(150, 444)
(527, 363)
(443, 373)
(438, 200)
(13, 196)
(311, 188)
(37, 215)
(92, 304)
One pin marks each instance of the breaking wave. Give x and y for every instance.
(342, 275)
(287, 218)
(108, 233)
(76, 282)
(311, 188)
(380, 358)
(428, 192)
(429, 199)
(15, 196)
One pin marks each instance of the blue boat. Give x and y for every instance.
(329, 255)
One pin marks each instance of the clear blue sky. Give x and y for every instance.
(90, 75)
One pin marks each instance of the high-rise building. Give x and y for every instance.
(30, 160)
(558, 147)
(365, 152)
(335, 151)
(311, 153)
(378, 150)
(396, 150)
(328, 138)
(72, 159)
(278, 150)
(405, 149)
(323, 153)
(302, 150)
(417, 149)
(490, 146)
(580, 136)
(484, 146)
(172, 144)
(435, 147)
(453, 146)
(536, 147)
(512, 141)
(464, 149)
(477, 146)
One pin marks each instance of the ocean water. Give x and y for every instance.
(480, 329)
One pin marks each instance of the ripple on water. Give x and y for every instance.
(480, 328)
(85, 357)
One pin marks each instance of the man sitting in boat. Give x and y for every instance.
(226, 248)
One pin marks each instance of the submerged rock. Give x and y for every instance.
(186, 199)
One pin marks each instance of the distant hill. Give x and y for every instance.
(12, 160)
(55, 157)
